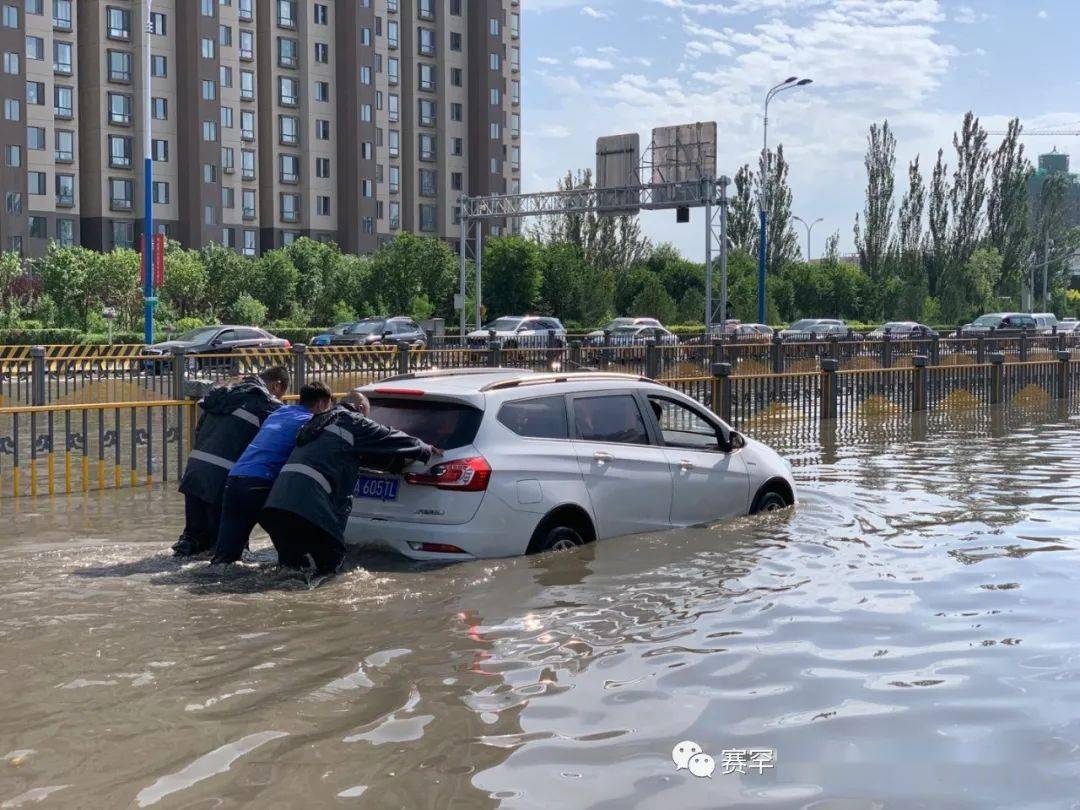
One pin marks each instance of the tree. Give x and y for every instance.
(968, 193)
(782, 243)
(742, 224)
(832, 249)
(968, 290)
(411, 266)
(562, 268)
(317, 266)
(1008, 210)
(229, 275)
(910, 245)
(653, 301)
(1053, 241)
(186, 281)
(277, 282)
(511, 275)
(875, 244)
(937, 239)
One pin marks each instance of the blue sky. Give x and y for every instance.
(612, 66)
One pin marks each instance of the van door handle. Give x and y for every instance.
(603, 457)
(686, 465)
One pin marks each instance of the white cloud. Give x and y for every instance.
(547, 60)
(966, 15)
(550, 131)
(608, 50)
(1042, 15)
(589, 63)
(589, 11)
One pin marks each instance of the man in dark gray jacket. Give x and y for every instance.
(310, 502)
(231, 416)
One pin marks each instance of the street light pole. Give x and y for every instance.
(791, 82)
(809, 228)
(148, 188)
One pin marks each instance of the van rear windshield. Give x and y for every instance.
(445, 425)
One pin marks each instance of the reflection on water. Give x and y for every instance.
(904, 636)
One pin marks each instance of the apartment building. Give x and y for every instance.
(342, 120)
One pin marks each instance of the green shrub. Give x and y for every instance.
(35, 337)
(298, 334)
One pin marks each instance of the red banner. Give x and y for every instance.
(159, 259)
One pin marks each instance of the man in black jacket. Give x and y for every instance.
(231, 416)
(310, 502)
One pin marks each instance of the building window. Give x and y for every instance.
(426, 112)
(394, 210)
(226, 117)
(393, 107)
(121, 194)
(247, 45)
(161, 192)
(322, 91)
(455, 7)
(247, 85)
(425, 9)
(209, 131)
(322, 129)
(208, 48)
(160, 150)
(159, 66)
(35, 48)
(290, 168)
(493, 61)
(120, 151)
(209, 173)
(394, 142)
(209, 215)
(35, 93)
(119, 109)
(39, 228)
(118, 23)
(228, 198)
(35, 182)
(225, 36)
(228, 237)
(515, 158)
(288, 130)
(322, 14)
(429, 183)
(392, 69)
(365, 75)
(160, 109)
(455, 111)
(244, 9)
(495, 165)
(322, 167)
(494, 130)
(515, 59)
(11, 16)
(13, 156)
(455, 41)
(456, 181)
(427, 218)
(35, 138)
(288, 91)
(426, 77)
(247, 164)
(425, 41)
(394, 180)
(65, 232)
(61, 15)
(207, 8)
(65, 146)
(247, 203)
(65, 190)
(249, 243)
(123, 234)
(290, 207)
(391, 33)
(493, 27)
(209, 90)
(287, 52)
(225, 76)
(427, 147)
(120, 66)
(367, 188)
(322, 54)
(515, 25)
(515, 125)
(158, 26)
(322, 206)
(495, 96)
(228, 159)
(286, 13)
(63, 102)
(11, 63)
(515, 92)
(455, 77)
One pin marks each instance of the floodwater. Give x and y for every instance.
(905, 637)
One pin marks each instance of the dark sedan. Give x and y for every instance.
(215, 340)
(382, 332)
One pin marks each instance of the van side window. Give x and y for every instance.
(610, 419)
(541, 418)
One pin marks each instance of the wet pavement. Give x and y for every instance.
(904, 637)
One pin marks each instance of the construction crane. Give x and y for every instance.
(1039, 132)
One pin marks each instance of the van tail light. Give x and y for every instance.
(459, 475)
(288, 344)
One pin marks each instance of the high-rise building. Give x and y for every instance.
(343, 120)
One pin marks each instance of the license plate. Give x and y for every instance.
(380, 489)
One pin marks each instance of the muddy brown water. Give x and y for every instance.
(905, 637)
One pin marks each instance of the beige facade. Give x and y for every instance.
(271, 119)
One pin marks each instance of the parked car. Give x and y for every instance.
(1044, 322)
(514, 331)
(382, 332)
(620, 323)
(635, 335)
(545, 462)
(903, 330)
(1004, 324)
(1069, 326)
(815, 329)
(214, 340)
(325, 338)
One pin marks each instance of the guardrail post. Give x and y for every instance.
(834, 347)
(652, 359)
(299, 352)
(575, 355)
(403, 358)
(552, 343)
(1063, 374)
(829, 391)
(494, 354)
(935, 350)
(37, 375)
(776, 354)
(722, 390)
(918, 388)
(605, 353)
(1061, 341)
(997, 378)
(980, 350)
(1023, 346)
(179, 373)
(886, 351)
(716, 350)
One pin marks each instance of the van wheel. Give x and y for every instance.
(769, 501)
(560, 538)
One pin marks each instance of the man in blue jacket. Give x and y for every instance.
(253, 475)
(232, 414)
(310, 502)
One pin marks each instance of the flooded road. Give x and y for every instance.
(905, 637)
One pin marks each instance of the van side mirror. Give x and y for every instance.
(736, 440)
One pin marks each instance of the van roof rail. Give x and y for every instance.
(454, 372)
(542, 379)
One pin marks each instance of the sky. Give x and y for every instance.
(606, 67)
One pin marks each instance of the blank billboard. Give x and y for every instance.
(618, 159)
(684, 153)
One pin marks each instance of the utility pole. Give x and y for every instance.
(723, 252)
(148, 187)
